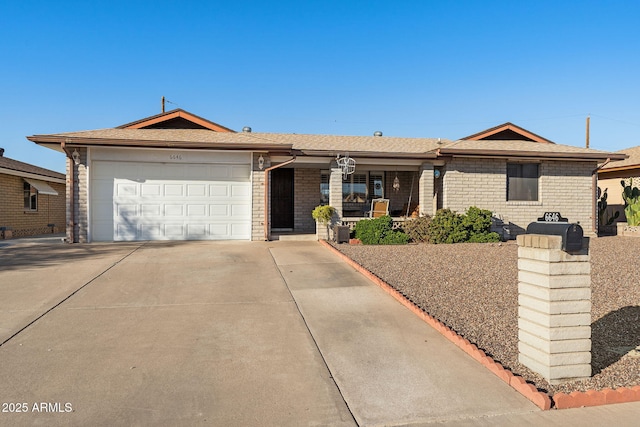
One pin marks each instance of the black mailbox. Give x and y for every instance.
(341, 233)
(571, 233)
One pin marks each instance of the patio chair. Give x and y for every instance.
(379, 207)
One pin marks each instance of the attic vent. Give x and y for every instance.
(246, 129)
(377, 133)
(1, 152)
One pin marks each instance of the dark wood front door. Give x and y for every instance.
(282, 198)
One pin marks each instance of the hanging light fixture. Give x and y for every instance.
(396, 183)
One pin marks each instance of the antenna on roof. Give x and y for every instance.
(163, 104)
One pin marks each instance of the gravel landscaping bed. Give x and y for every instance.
(473, 289)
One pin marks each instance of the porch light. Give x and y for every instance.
(76, 157)
(260, 162)
(396, 183)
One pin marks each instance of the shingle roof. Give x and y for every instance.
(524, 149)
(197, 138)
(318, 145)
(632, 162)
(15, 165)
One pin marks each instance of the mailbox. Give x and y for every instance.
(341, 233)
(571, 233)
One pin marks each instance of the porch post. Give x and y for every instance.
(425, 190)
(335, 190)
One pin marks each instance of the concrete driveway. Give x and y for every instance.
(224, 333)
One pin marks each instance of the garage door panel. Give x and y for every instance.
(240, 191)
(126, 189)
(196, 190)
(219, 190)
(240, 211)
(147, 201)
(173, 190)
(174, 210)
(148, 210)
(196, 210)
(151, 190)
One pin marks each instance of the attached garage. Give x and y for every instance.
(138, 195)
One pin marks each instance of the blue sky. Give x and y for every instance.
(408, 68)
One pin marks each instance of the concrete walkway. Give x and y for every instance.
(233, 334)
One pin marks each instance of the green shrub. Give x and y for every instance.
(378, 231)
(450, 227)
(446, 227)
(323, 213)
(418, 228)
(478, 223)
(395, 238)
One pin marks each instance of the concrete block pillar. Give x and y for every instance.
(426, 193)
(554, 308)
(335, 190)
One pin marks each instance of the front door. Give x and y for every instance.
(282, 198)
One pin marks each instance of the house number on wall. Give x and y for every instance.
(175, 156)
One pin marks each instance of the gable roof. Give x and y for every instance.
(161, 131)
(507, 132)
(175, 119)
(14, 167)
(525, 149)
(632, 162)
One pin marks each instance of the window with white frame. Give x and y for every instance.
(523, 181)
(30, 197)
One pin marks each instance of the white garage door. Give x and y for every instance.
(159, 201)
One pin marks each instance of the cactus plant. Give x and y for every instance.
(602, 209)
(631, 196)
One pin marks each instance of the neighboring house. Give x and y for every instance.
(33, 199)
(609, 177)
(178, 176)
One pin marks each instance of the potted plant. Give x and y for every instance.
(323, 215)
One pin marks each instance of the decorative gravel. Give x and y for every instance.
(473, 289)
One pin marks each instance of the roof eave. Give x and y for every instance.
(532, 154)
(369, 154)
(106, 142)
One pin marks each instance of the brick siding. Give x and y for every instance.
(306, 196)
(565, 187)
(51, 209)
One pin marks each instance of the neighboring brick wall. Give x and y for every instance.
(306, 196)
(51, 209)
(565, 187)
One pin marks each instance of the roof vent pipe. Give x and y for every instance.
(1, 152)
(246, 129)
(377, 133)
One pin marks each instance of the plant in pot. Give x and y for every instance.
(323, 215)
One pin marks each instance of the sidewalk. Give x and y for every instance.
(393, 369)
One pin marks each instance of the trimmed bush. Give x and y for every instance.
(450, 227)
(418, 228)
(446, 227)
(478, 223)
(378, 231)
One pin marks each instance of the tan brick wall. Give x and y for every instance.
(80, 199)
(257, 190)
(306, 196)
(51, 209)
(565, 187)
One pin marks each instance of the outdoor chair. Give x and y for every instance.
(379, 207)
